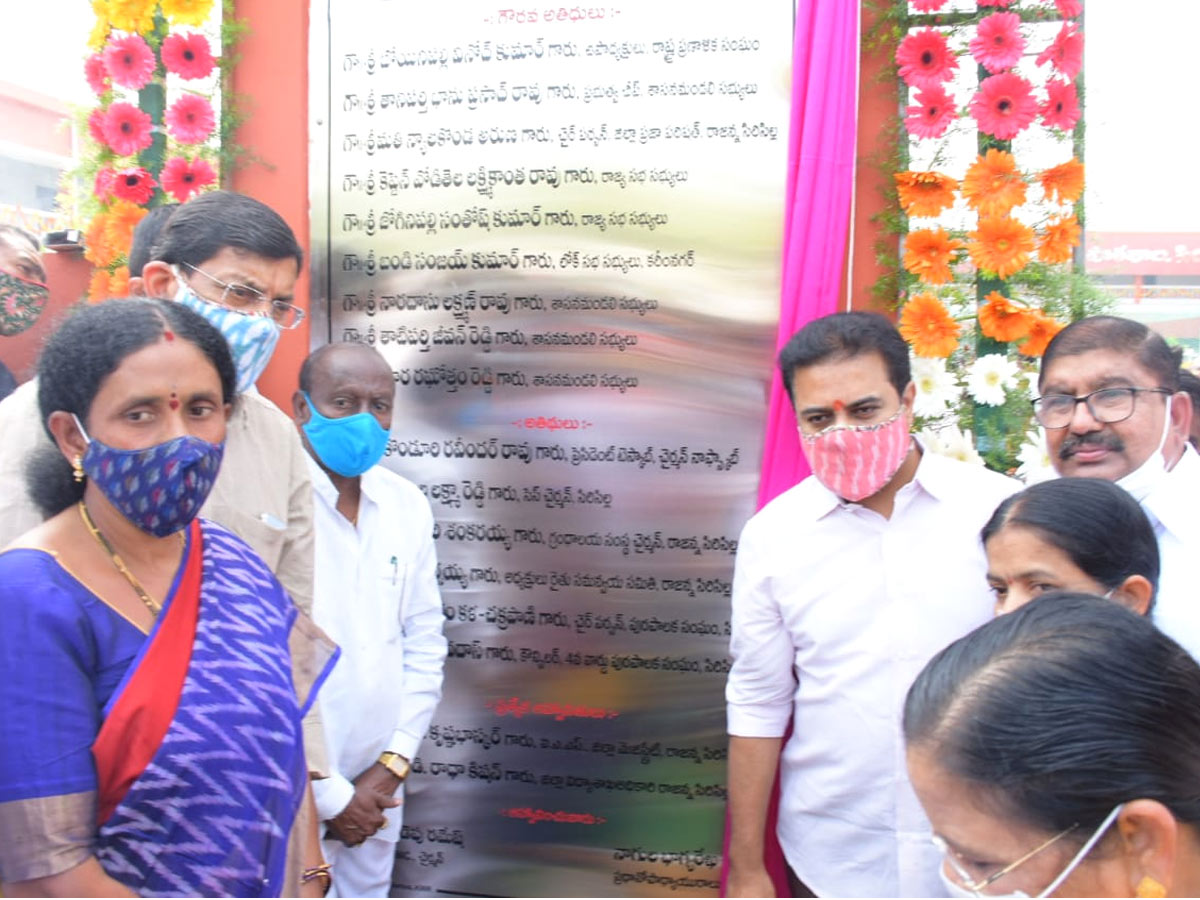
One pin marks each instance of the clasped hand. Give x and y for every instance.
(374, 792)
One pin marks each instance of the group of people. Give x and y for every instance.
(184, 568)
(967, 688)
(223, 635)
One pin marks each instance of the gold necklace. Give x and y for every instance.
(151, 604)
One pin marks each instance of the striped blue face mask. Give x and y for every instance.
(251, 338)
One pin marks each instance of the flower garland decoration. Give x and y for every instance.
(143, 152)
(984, 239)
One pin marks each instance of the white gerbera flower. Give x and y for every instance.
(950, 441)
(1035, 459)
(936, 386)
(989, 376)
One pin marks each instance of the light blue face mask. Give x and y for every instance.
(348, 446)
(251, 339)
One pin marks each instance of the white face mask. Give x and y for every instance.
(955, 889)
(1142, 481)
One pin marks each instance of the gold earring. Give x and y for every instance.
(77, 466)
(1149, 887)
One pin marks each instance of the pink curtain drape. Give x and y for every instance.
(816, 227)
(817, 215)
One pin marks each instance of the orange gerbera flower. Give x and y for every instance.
(1001, 244)
(1002, 320)
(98, 286)
(1064, 182)
(1060, 236)
(925, 193)
(1042, 330)
(123, 216)
(118, 282)
(97, 248)
(992, 185)
(928, 253)
(928, 326)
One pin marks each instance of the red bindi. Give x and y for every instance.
(169, 335)
(174, 401)
(838, 405)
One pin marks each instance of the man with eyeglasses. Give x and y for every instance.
(1112, 408)
(235, 261)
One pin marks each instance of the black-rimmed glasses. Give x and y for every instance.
(1107, 405)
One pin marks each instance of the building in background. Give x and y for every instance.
(37, 146)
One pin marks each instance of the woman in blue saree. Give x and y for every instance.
(152, 699)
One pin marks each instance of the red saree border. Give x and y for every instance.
(134, 728)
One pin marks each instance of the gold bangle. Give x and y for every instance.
(312, 873)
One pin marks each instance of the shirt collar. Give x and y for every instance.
(324, 486)
(1173, 502)
(321, 481)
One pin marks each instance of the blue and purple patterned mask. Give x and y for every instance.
(159, 489)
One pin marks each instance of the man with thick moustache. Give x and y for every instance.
(234, 261)
(844, 587)
(377, 596)
(1112, 408)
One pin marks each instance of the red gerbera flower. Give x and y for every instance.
(130, 61)
(181, 178)
(103, 187)
(933, 113)
(925, 59)
(187, 55)
(1004, 105)
(97, 74)
(1061, 109)
(126, 129)
(1065, 53)
(1069, 9)
(998, 43)
(928, 6)
(134, 184)
(95, 125)
(190, 119)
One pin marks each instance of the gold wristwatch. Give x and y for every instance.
(395, 763)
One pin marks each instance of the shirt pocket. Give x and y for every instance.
(393, 584)
(262, 532)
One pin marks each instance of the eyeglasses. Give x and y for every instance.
(241, 298)
(977, 886)
(1108, 405)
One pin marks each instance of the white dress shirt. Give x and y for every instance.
(1173, 507)
(377, 598)
(835, 611)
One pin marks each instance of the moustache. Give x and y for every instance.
(1074, 443)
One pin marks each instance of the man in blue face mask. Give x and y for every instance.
(377, 597)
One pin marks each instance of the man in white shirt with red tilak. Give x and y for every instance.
(376, 595)
(845, 586)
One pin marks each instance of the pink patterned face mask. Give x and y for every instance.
(856, 461)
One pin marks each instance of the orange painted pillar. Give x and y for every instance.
(271, 80)
(877, 110)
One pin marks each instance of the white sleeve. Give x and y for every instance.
(424, 646)
(761, 684)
